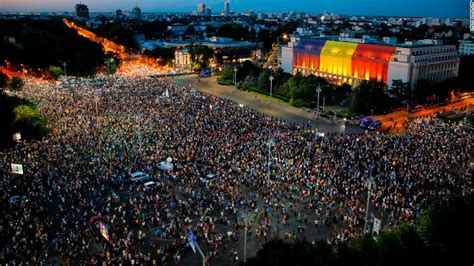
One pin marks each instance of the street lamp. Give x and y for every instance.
(235, 77)
(318, 91)
(370, 184)
(64, 64)
(270, 144)
(271, 78)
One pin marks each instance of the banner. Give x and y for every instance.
(377, 225)
(104, 231)
(17, 168)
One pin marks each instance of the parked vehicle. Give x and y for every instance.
(415, 109)
(205, 73)
(17, 199)
(139, 177)
(375, 125)
(366, 122)
(121, 180)
(209, 177)
(152, 184)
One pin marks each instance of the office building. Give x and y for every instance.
(472, 16)
(201, 9)
(118, 14)
(82, 11)
(351, 62)
(466, 48)
(136, 12)
(226, 7)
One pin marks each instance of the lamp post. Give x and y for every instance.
(370, 183)
(64, 64)
(235, 77)
(318, 91)
(270, 144)
(271, 78)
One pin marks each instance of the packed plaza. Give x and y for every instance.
(228, 167)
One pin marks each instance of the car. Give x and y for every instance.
(121, 180)
(365, 122)
(415, 109)
(17, 199)
(152, 184)
(205, 73)
(443, 103)
(139, 177)
(439, 126)
(377, 124)
(209, 177)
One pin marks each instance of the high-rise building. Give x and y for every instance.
(136, 12)
(472, 16)
(82, 11)
(118, 13)
(201, 8)
(226, 7)
(208, 11)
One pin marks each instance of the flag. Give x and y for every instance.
(104, 231)
(192, 240)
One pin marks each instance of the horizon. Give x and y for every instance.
(444, 8)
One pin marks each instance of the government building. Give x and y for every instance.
(365, 59)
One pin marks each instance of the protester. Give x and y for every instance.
(105, 128)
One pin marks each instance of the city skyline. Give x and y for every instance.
(418, 8)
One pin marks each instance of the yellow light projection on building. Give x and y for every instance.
(336, 58)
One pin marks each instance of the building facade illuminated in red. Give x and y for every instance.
(342, 62)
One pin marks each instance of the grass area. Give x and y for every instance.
(346, 113)
(266, 93)
(225, 82)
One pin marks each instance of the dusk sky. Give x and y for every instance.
(420, 8)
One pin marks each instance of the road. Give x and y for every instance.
(276, 109)
(394, 120)
(272, 57)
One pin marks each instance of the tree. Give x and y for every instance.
(401, 90)
(54, 72)
(228, 72)
(30, 122)
(113, 62)
(370, 97)
(263, 81)
(423, 89)
(391, 248)
(366, 250)
(301, 252)
(3, 80)
(16, 83)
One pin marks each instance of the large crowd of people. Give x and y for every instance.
(229, 162)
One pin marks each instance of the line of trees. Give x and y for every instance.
(441, 237)
(18, 115)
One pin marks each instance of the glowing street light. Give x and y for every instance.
(271, 78)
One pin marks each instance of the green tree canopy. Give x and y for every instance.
(16, 83)
(54, 72)
(30, 121)
(370, 96)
